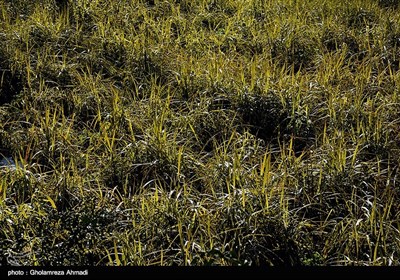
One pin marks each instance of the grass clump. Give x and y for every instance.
(199, 133)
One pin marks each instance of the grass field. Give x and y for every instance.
(200, 132)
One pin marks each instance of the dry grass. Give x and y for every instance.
(200, 132)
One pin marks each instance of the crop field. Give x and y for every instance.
(200, 132)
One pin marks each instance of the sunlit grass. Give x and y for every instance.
(200, 132)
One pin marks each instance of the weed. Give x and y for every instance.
(199, 132)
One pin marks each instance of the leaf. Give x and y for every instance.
(49, 199)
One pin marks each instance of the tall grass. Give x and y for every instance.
(200, 132)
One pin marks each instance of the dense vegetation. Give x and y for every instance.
(200, 132)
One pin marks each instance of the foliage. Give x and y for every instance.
(200, 132)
